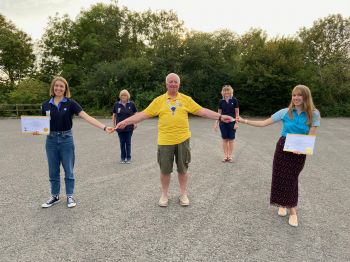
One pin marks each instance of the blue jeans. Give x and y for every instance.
(125, 145)
(60, 150)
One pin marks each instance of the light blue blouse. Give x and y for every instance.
(297, 125)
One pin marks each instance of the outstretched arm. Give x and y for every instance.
(138, 117)
(204, 112)
(95, 122)
(260, 123)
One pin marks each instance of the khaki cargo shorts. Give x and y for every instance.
(182, 154)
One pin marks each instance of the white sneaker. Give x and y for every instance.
(71, 202)
(53, 200)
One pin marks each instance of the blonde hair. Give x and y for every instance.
(227, 88)
(308, 104)
(124, 92)
(66, 91)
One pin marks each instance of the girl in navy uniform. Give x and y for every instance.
(123, 109)
(59, 142)
(301, 117)
(228, 105)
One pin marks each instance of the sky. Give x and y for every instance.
(276, 17)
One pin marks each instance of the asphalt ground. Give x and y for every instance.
(117, 217)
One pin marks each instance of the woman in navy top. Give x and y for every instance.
(301, 117)
(123, 109)
(59, 143)
(228, 105)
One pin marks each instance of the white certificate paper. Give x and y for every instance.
(31, 124)
(301, 143)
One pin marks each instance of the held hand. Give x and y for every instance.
(109, 129)
(237, 119)
(227, 119)
(120, 125)
(240, 120)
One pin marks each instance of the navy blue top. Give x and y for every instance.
(123, 112)
(228, 108)
(61, 116)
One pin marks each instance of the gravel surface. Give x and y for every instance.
(117, 217)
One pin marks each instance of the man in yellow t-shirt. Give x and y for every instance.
(174, 134)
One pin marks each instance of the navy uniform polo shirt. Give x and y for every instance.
(228, 108)
(123, 112)
(61, 116)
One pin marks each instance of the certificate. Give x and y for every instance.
(32, 124)
(304, 144)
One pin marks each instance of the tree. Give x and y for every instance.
(269, 69)
(101, 88)
(207, 65)
(327, 51)
(29, 91)
(16, 53)
(104, 33)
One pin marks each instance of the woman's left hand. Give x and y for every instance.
(235, 126)
(109, 129)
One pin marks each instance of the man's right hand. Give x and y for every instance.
(227, 119)
(120, 125)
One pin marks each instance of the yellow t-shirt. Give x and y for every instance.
(173, 126)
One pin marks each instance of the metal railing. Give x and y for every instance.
(19, 109)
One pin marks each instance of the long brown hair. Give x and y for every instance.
(308, 104)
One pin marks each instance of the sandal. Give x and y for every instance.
(224, 160)
(230, 159)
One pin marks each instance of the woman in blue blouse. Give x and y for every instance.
(301, 117)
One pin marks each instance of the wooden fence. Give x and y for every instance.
(19, 109)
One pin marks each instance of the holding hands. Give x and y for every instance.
(226, 118)
(109, 129)
(121, 125)
(241, 120)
